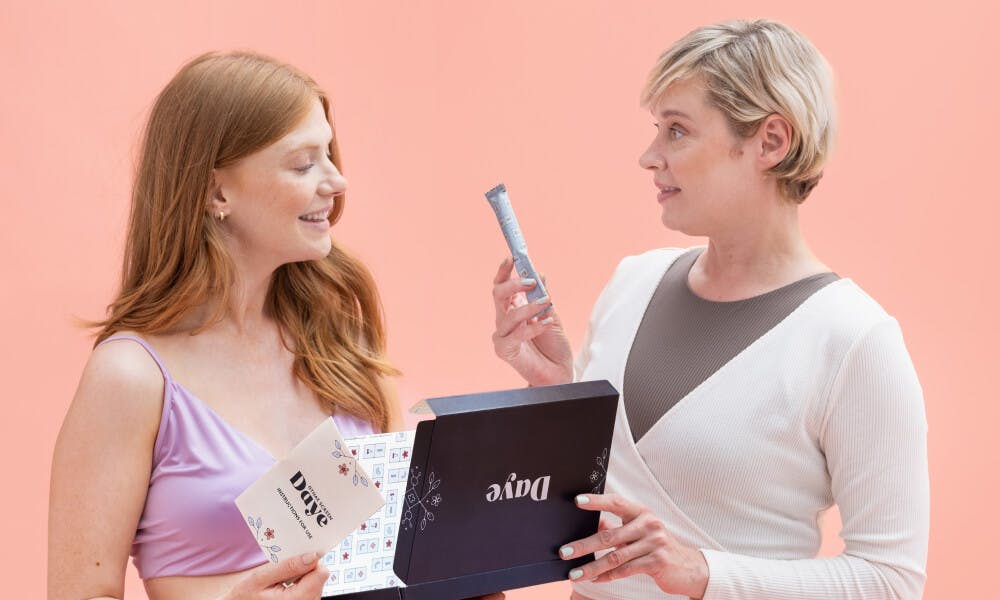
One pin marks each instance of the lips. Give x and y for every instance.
(316, 216)
(666, 192)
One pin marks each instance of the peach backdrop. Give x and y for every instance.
(435, 103)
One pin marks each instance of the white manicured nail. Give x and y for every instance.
(546, 320)
(528, 282)
(542, 300)
(581, 499)
(576, 574)
(566, 551)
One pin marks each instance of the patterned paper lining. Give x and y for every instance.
(363, 561)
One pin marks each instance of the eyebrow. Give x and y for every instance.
(308, 146)
(674, 113)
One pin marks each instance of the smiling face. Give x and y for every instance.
(277, 201)
(702, 171)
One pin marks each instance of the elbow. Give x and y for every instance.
(903, 583)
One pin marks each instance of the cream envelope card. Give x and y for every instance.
(310, 500)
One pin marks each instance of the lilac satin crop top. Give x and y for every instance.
(190, 524)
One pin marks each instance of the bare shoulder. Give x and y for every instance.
(121, 383)
(100, 470)
(118, 402)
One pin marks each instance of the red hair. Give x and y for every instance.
(219, 108)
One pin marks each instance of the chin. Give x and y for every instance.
(321, 248)
(314, 253)
(321, 255)
(672, 223)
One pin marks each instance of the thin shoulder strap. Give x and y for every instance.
(144, 344)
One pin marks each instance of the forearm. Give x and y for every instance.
(844, 577)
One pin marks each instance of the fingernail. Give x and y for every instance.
(542, 300)
(309, 558)
(581, 499)
(566, 551)
(528, 282)
(546, 320)
(576, 574)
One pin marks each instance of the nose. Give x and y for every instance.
(652, 158)
(334, 183)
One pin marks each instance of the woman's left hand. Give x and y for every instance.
(641, 544)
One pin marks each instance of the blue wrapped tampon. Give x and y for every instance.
(515, 241)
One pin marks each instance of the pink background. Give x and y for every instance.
(436, 104)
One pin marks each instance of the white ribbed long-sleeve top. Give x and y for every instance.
(824, 408)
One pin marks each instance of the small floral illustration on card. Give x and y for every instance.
(348, 468)
(265, 538)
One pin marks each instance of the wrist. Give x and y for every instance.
(549, 381)
(553, 377)
(699, 575)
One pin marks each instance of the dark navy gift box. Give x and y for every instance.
(491, 486)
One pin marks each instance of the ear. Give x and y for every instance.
(216, 201)
(774, 138)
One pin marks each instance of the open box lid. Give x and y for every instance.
(492, 480)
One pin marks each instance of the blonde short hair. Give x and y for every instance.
(751, 70)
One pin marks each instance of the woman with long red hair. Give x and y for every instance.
(240, 325)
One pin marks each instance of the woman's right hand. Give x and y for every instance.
(267, 581)
(538, 349)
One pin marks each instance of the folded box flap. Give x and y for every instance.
(452, 405)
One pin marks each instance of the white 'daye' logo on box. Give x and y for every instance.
(537, 489)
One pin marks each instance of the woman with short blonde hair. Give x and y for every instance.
(753, 69)
(758, 388)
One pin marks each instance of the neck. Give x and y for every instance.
(244, 316)
(764, 252)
